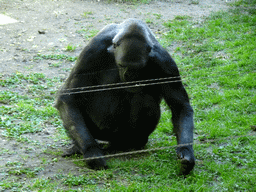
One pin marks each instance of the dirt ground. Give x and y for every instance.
(48, 26)
(60, 20)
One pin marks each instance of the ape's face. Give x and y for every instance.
(131, 55)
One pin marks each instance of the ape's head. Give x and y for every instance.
(131, 48)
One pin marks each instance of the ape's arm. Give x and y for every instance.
(177, 99)
(182, 118)
(73, 122)
(182, 113)
(92, 59)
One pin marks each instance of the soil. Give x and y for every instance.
(47, 27)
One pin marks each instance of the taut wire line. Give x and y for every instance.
(123, 83)
(137, 151)
(156, 149)
(132, 84)
(119, 87)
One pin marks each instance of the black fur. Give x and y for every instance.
(124, 117)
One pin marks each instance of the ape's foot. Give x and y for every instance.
(98, 162)
(186, 158)
(71, 151)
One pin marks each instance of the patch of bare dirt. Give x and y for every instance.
(48, 26)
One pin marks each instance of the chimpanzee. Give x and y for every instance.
(126, 116)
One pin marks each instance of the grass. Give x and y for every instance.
(157, 15)
(88, 34)
(26, 112)
(70, 47)
(56, 56)
(131, 1)
(87, 13)
(219, 59)
(216, 59)
(195, 2)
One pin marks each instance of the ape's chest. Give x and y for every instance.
(113, 109)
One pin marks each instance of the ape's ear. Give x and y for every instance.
(149, 49)
(156, 54)
(110, 49)
(152, 52)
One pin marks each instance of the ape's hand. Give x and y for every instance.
(98, 163)
(187, 159)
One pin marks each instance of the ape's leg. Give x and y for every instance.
(76, 127)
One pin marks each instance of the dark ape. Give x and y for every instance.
(125, 117)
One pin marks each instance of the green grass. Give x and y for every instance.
(58, 64)
(218, 63)
(70, 47)
(195, 2)
(56, 56)
(88, 34)
(157, 15)
(131, 1)
(216, 59)
(87, 13)
(26, 111)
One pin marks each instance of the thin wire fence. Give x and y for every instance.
(159, 148)
(135, 84)
(132, 152)
(141, 83)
